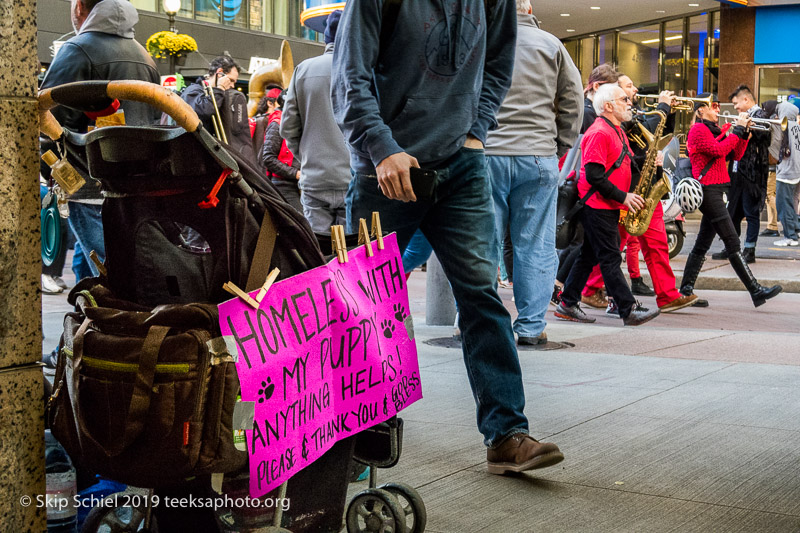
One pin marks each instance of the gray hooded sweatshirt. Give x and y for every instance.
(310, 130)
(543, 110)
(788, 170)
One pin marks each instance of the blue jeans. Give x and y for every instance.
(459, 224)
(417, 252)
(525, 189)
(86, 223)
(784, 201)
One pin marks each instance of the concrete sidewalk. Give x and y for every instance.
(688, 423)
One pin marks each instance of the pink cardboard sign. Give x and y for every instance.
(329, 353)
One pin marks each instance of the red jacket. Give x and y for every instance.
(702, 146)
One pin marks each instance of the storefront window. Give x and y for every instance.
(205, 10)
(713, 55)
(234, 12)
(256, 8)
(638, 56)
(673, 56)
(587, 57)
(572, 50)
(698, 55)
(778, 82)
(605, 50)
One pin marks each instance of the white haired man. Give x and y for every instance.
(603, 185)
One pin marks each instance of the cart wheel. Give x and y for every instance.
(118, 520)
(375, 510)
(412, 504)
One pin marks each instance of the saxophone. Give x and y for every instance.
(650, 189)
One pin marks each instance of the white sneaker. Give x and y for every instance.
(60, 282)
(787, 242)
(50, 286)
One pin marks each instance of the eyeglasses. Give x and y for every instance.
(624, 98)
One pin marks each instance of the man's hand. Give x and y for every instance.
(660, 159)
(633, 202)
(297, 176)
(222, 81)
(473, 143)
(394, 178)
(666, 97)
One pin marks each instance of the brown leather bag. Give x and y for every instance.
(139, 397)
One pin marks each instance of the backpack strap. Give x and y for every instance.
(262, 255)
(706, 169)
(622, 155)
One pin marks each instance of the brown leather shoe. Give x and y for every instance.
(678, 303)
(596, 300)
(521, 452)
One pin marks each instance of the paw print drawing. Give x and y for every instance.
(266, 390)
(399, 312)
(388, 328)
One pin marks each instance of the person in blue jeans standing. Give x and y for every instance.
(417, 84)
(537, 123)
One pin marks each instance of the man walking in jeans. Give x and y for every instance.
(538, 123)
(417, 84)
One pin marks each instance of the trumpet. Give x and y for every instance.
(762, 124)
(684, 103)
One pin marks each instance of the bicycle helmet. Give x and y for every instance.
(689, 194)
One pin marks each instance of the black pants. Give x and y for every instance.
(743, 205)
(508, 254)
(600, 246)
(716, 221)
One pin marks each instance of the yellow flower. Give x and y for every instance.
(166, 43)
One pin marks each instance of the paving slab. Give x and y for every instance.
(475, 501)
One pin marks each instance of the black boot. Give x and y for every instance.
(690, 272)
(758, 293)
(640, 288)
(720, 256)
(749, 255)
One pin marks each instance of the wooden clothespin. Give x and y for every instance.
(363, 237)
(341, 244)
(236, 291)
(267, 284)
(99, 264)
(377, 232)
(335, 244)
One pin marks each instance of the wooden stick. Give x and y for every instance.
(100, 266)
(377, 232)
(267, 284)
(363, 237)
(236, 291)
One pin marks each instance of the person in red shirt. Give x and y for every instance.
(603, 184)
(708, 149)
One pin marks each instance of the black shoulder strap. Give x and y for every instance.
(706, 168)
(624, 153)
(390, 11)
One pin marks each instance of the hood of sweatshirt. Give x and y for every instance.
(116, 17)
(787, 111)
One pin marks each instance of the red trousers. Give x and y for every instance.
(656, 255)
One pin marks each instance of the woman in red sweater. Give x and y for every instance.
(708, 150)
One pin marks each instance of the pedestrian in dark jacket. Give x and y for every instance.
(103, 49)
(223, 73)
(282, 167)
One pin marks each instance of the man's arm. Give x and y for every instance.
(355, 107)
(501, 37)
(201, 102)
(70, 64)
(291, 121)
(569, 103)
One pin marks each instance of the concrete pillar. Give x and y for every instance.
(21, 404)
(737, 28)
(440, 307)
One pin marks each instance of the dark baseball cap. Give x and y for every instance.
(698, 105)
